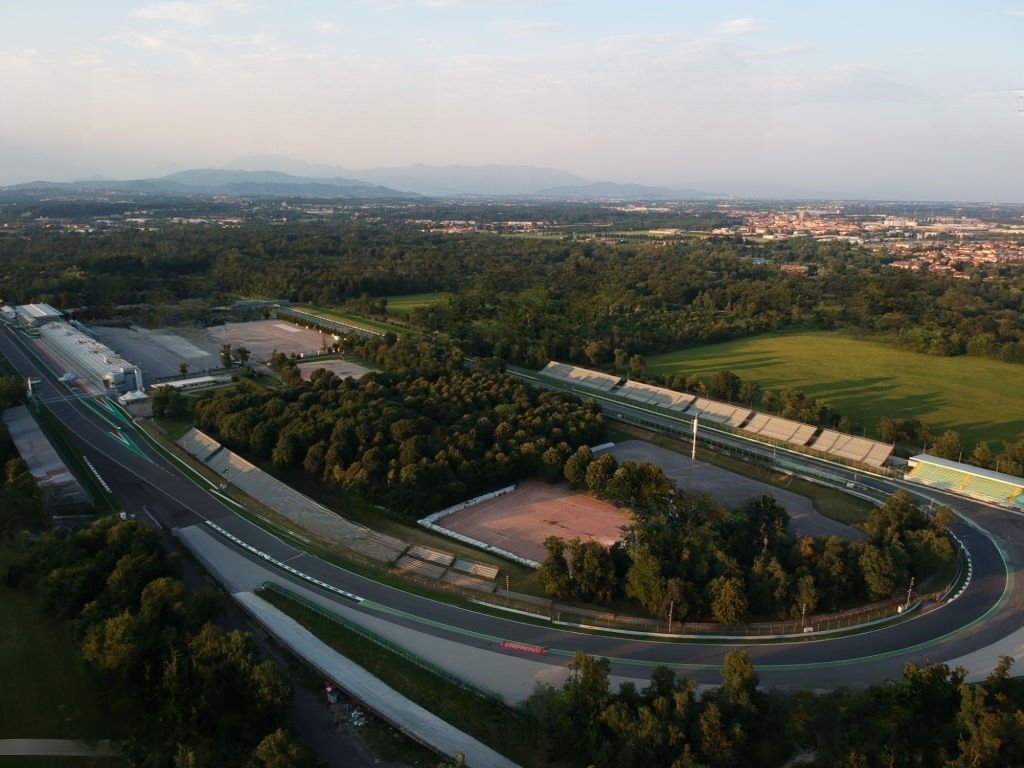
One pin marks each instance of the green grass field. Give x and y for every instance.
(355, 321)
(403, 305)
(866, 380)
(48, 692)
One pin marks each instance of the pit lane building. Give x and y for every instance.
(74, 351)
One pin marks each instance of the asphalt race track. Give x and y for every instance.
(157, 491)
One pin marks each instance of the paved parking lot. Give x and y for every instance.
(159, 352)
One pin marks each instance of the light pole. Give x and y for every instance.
(909, 590)
(671, 607)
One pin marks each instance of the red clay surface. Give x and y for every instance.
(520, 521)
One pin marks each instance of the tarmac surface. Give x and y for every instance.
(733, 490)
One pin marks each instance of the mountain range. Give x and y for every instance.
(246, 178)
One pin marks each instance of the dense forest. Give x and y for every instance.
(415, 443)
(930, 718)
(684, 553)
(191, 693)
(526, 300)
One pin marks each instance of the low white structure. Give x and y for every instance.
(195, 382)
(82, 355)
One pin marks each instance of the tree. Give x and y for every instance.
(948, 446)
(879, 572)
(554, 571)
(739, 681)
(576, 466)
(749, 391)
(242, 355)
(279, 750)
(728, 600)
(725, 385)
(183, 368)
(600, 473)
(226, 359)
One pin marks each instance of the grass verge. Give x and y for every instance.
(484, 718)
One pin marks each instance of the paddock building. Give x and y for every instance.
(75, 352)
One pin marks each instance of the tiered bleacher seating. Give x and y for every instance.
(199, 444)
(739, 416)
(968, 480)
(851, 447)
(826, 440)
(419, 567)
(780, 429)
(756, 422)
(712, 410)
(804, 433)
(482, 570)
(431, 555)
(646, 393)
(878, 455)
(944, 477)
(468, 582)
(581, 376)
(990, 489)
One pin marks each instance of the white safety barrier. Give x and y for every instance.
(465, 504)
(279, 564)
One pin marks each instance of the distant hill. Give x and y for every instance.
(609, 190)
(229, 182)
(449, 180)
(431, 180)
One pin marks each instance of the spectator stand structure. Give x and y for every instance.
(966, 480)
(313, 517)
(774, 429)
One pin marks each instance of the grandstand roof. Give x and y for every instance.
(38, 313)
(967, 469)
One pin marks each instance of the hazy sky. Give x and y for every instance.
(867, 98)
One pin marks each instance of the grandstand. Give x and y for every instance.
(199, 444)
(722, 413)
(795, 433)
(646, 393)
(289, 503)
(967, 480)
(583, 377)
(781, 429)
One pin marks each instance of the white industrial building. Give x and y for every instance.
(32, 315)
(76, 352)
(86, 357)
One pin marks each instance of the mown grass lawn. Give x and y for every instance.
(403, 305)
(866, 380)
(346, 318)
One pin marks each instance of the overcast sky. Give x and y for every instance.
(874, 99)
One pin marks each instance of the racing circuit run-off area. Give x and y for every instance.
(518, 522)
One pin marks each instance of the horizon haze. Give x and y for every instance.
(913, 100)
